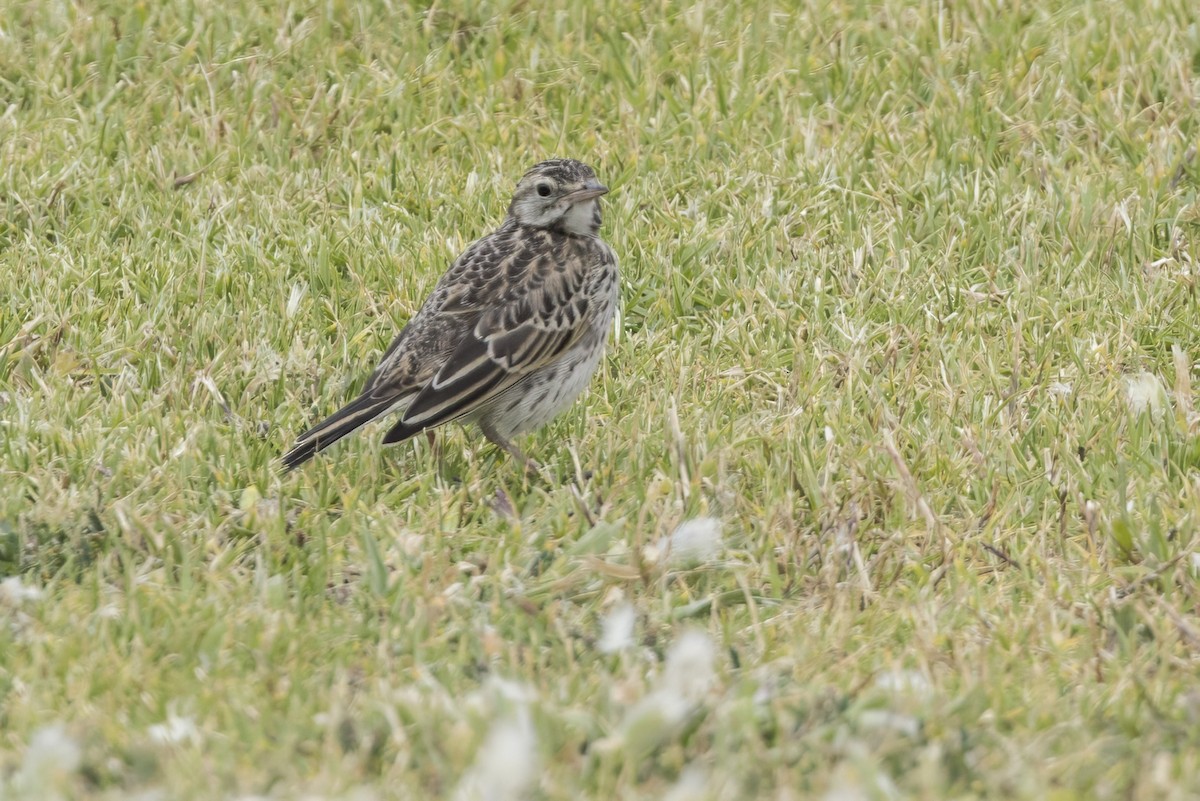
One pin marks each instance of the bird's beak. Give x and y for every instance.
(590, 190)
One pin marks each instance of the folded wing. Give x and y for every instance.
(537, 320)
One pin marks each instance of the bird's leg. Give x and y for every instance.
(531, 467)
(579, 490)
(435, 448)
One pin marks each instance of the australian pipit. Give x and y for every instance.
(511, 334)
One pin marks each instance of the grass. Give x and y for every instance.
(909, 306)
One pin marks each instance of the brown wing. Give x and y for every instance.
(418, 351)
(534, 308)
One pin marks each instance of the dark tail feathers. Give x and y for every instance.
(345, 420)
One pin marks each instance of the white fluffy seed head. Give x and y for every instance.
(50, 759)
(505, 765)
(174, 730)
(686, 678)
(617, 629)
(691, 665)
(1144, 392)
(15, 593)
(694, 542)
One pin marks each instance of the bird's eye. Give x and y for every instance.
(543, 190)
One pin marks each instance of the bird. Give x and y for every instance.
(510, 335)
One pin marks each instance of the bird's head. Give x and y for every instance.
(561, 194)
